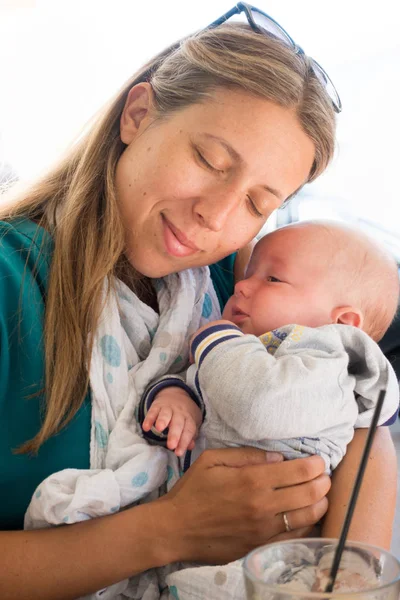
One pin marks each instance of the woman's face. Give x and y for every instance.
(199, 184)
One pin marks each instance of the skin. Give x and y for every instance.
(281, 286)
(323, 305)
(379, 484)
(242, 486)
(371, 523)
(174, 174)
(38, 564)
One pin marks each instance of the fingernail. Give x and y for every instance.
(273, 457)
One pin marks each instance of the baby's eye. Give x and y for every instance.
(273, 279)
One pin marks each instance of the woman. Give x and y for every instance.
(180, 171)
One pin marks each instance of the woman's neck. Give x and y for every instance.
(147, 294)
(138, 283)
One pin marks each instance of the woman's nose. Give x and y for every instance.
(214, 210)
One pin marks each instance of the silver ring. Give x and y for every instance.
(286, 522)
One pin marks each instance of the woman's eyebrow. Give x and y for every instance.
(231, 151)
(239, 159)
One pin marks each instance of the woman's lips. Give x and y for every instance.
(176, 242)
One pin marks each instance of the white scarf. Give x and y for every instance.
(132, 347)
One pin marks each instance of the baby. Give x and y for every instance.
(294, 365)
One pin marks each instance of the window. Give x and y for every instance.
(62, 60)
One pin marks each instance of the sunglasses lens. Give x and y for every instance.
(263, 23)
(268, 25)
(327, 84)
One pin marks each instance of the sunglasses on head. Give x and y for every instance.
(262, 23)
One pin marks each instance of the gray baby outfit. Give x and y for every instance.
(296, 390)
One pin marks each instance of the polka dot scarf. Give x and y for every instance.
(132, 347)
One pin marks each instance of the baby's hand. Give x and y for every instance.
(175, 409)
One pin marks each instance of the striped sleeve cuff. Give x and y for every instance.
(153, 435)
(207, 339)
(391, 420)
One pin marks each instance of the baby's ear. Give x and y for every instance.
(348, 315)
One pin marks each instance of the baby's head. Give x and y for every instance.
(315, 273)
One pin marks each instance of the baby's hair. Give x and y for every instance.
(368, 273)
(379, 289)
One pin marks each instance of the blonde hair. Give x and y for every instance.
(78, 195)
(376, 277)
(369, 276)
(361, 270)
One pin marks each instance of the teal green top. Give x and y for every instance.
(223, 278)
(25, 256)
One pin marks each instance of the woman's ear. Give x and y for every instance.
(348, 315)
(138, 111)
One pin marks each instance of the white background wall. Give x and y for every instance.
(61, 59)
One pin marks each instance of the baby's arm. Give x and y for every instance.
(171, 404)
(291, 393)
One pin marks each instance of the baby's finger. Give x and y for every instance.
(164, 418)
(175, 430)
(188, 434)
(151, 417)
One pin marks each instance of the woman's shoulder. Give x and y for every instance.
(23, 233)
(25, 248)
(25, 257)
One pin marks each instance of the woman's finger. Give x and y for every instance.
(274, 457)
(228, 486)
(287, 475)
(302, 532)
(304, 517)
(297, 471)
(235, 457)
(303, 495)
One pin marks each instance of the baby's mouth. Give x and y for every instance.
(237, 312)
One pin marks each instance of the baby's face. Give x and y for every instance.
(286, 282)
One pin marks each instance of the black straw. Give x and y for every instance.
(354, 494)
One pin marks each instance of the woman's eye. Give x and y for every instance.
(272, 279)
(253, 208)
(205, 162)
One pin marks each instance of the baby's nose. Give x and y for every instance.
(242, 288)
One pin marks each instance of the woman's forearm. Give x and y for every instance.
(215, 513)
(70, 561)
(374, 514)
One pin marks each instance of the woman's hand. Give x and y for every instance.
(227, 503)
(232, 500)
